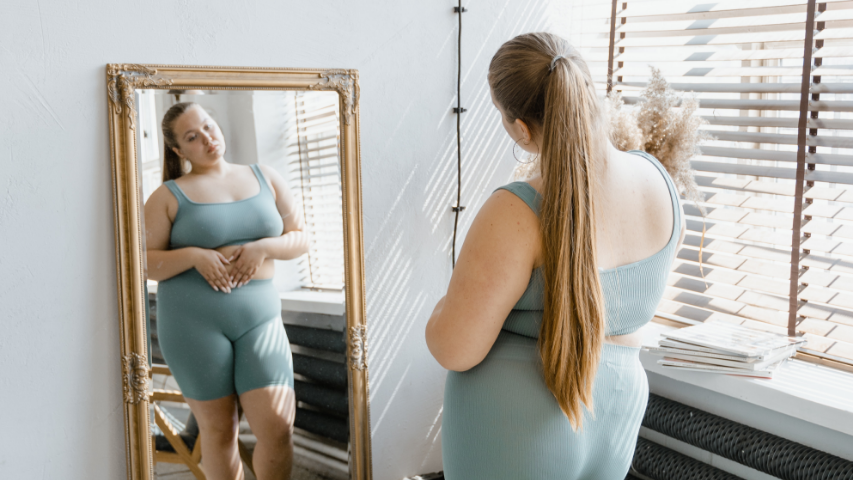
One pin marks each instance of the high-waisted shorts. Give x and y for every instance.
(219, 343)
(500, 421)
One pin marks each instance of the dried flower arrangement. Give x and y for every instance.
(659, 127)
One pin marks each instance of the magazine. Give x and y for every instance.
(733, 339)
(705, 352)
(751, 366)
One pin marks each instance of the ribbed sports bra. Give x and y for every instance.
(631, 292)
(214, 225)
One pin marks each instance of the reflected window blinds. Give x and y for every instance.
(315, 179)
(744, 60)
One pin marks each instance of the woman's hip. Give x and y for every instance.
(503, 408)
(511, 376)
(188, 301)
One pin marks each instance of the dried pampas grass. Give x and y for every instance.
(664, 125)
(525, 168)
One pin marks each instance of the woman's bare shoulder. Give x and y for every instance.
(274, 179)
(162, 200)
(638, 203)
(160, 195)
(504, 222)
(271, 173)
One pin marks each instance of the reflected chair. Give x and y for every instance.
(174, 442)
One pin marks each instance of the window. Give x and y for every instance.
(315, 178)
(744, 60)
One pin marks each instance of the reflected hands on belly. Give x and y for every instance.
(246, 260)
(212, 266)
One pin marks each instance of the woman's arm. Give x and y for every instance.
(163, 263)
(491, 274)
(291, 244)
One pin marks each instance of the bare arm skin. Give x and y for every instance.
(491, 274)
(160, 210)
(250, 258)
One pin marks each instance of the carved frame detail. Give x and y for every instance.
(358, 347)
(122, 80)
(134, 376)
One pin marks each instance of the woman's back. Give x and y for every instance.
(640, 228)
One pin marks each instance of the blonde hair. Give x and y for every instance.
(562, 105)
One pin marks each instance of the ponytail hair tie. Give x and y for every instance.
(554, 61)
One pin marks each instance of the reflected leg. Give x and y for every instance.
(270, 412)
(218, 428)
(263, 375)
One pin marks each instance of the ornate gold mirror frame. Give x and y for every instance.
(122, 81)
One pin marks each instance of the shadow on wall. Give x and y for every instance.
(408, 254)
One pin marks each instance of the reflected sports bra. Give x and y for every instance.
(631, 292)
(214, 225)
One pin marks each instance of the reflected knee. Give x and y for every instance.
(280, 434)
(222, 433)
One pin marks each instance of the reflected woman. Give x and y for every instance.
(556, 275)
(212, 235)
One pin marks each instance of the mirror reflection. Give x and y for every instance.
(244, 259)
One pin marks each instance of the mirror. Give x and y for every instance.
(253, 361)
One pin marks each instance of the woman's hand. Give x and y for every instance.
(247, 259)
(211, 265)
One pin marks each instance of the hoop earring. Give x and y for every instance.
(530, 158)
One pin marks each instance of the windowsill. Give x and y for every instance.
(310, 301)
(813, 393)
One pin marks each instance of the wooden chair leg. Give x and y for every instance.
(178, 443)
(196, 455)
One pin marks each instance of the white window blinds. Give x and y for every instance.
(744, 59)
(315, 179)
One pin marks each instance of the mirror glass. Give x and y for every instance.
(245, 277)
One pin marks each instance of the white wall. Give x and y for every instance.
(60, 402)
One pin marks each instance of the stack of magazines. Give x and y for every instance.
(725, 348)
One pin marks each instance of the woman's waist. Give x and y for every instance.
(265, 271)
(193, 281)
(512, 346)
(527, 323)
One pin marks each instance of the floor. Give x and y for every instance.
(303, 469)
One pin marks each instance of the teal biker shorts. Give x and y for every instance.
(218, 343)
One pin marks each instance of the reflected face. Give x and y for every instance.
(199, 138)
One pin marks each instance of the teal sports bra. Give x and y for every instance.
(214, 225)
(631, 292)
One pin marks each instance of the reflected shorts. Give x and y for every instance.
(219, 343)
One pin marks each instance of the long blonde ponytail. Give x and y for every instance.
(563, 104)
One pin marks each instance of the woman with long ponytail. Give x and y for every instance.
(173, 166)
(540, 340)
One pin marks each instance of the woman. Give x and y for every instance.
(539, 324)
(212, 237)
